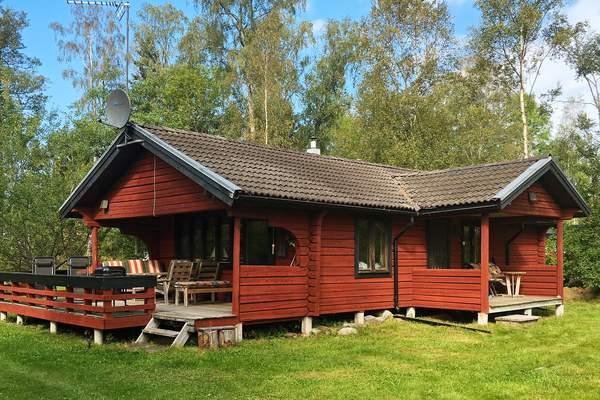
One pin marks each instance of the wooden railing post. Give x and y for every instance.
(560, 258)
(485, 263)
(235, 294)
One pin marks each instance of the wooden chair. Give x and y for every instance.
(179, 271)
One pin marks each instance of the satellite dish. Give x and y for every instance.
(118, 109)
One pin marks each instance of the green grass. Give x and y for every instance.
(556, 358)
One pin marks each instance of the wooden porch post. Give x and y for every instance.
(235, 294)
(94, 247)
(485, 267)
(559, 257)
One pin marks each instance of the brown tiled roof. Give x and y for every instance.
(465, 185)
(286, 174)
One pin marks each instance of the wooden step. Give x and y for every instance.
(517, 319)
(161, 332)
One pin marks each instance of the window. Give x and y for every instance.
(262, 244)
(203, 236)
(438, 243)
(471, 244)
(372, 246)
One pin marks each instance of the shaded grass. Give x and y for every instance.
(556, 358)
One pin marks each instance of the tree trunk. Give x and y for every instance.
(265, 102)
(522, 97)
(251, 116)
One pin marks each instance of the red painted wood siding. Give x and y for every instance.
(527, 254)
(412, 253)
(450, 289)
(272, 292)
(544, 206)
(144, 190)
(340, 290)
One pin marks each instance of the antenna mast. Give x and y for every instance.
(121, 10)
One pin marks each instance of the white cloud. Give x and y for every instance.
(558, 72)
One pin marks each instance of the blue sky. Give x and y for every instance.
(39, 40)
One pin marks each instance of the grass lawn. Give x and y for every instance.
(556, 358)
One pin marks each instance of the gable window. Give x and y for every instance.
(471, 243)
(372, 246)
(438, 243)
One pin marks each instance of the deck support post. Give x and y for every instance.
(485, 266)
(482, 318)
(528, 311)
(3, 316)
(98, 336)
(19, 320)
(239, 332)
(359, 318)
(560, 251)
(560, 310)
(235, 292)
(306, 326)
(411, 312)
(53, 327)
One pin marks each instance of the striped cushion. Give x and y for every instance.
(135, 267)
(154, 267)
(204, 284)
(112, 263)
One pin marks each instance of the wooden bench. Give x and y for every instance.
(195, 287)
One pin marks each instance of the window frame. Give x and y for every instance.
(428, 242)
(191, 222)
(388, 248)
(472, 226)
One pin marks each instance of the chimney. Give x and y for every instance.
(314, 148)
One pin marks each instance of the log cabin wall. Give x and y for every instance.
(527, 254)
(277, 292)
(543, 206)
(340, 290)
(151, 187)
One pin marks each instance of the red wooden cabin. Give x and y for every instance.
(307, 235)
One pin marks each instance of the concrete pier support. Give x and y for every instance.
(306, 326)
(98, 336)
(529, 312)
(53, 327)
(3, 316)
(482, 318)
(359, 318)
(560, 310)
(239, 333)
(20, 320)
(411, 312)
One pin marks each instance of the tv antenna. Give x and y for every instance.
(118, 109)
(121, 9)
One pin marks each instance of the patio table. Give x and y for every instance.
(513, 282)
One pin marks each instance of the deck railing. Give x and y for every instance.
(273, 292)
(100, 303)
(454, 289)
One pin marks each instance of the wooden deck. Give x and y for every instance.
(194, 313)
(499, 304)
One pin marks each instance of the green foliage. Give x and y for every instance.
(180, 96)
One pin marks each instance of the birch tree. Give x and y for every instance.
(514, 36)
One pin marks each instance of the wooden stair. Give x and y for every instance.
(180, 334)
